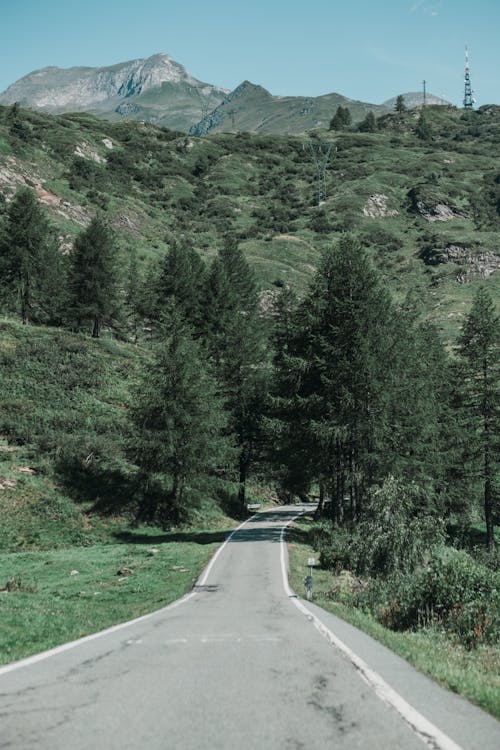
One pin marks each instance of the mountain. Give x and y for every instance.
(414, 99)
(161, 91)
(156, 89)
(252, 108)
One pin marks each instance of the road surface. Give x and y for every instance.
(238, 663)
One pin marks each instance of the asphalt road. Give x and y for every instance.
(238, 663)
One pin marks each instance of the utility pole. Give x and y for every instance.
(232, 113)
(320, 153)
(425, 93)
(468, 98)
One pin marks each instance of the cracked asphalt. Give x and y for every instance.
(235, 665)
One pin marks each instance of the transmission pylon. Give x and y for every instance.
(320, 153)
(468, 98)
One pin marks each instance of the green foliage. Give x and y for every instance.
(93, 277)
(179, 424)
(30, 264)
(479, 350)
(400, 105)
(453, 591)
(342, 119)
(369, 124)
(395, 536)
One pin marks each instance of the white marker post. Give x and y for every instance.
(308, 580)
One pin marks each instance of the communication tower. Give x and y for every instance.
(468, 98)
(320, 153)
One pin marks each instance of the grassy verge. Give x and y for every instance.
(473, 674)
(52, 597)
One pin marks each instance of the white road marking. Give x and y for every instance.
(79, 641)
(202, 581)
(424, 729)
(66, 646)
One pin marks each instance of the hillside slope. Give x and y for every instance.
(427, 209)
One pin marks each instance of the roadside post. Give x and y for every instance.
(308, 580)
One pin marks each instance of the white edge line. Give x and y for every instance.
(114, 628)
(427, 731)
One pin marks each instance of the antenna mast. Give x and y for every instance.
(468, 99)
(320, 153)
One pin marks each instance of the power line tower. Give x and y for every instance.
(320, 153)
(468, 98)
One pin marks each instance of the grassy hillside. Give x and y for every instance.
(427, 210)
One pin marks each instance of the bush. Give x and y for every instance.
(395, 535)
(454, 592)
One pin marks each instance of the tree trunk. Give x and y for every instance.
(25, 299)
(244, 464)
(319, 510)
(96, 329)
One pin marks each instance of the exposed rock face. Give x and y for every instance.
(60, 89)
(439, 212)
(156, 89)
(376, 206)
(482, 263)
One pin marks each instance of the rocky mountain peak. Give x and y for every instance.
(57, 89)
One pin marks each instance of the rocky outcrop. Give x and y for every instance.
(377, 206)
(475, 262)
(439, 212)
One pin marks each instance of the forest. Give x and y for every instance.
(144, 385)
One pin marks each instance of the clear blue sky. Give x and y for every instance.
(363, 49)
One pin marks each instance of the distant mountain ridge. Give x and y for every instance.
(160, 90)
(156, 89)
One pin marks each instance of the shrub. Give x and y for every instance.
(453, 591)
(395, 535)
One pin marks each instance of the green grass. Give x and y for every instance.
(47, 603)
(473, 674)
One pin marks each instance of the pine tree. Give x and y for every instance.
(336, 371)
(231, 327)
(479, 346)
(181, 279)
(369, 124)
(341, 120)
(400, 105)
(180, 424)
(93, 276)
(30, 262)
(423, 129)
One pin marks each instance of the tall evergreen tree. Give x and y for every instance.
(341, 377)
(181, 279)
(93, 284)
(479, 347)
(233, 332)
(400, 105)
(30, 263)
(179, 420)
(342, 119)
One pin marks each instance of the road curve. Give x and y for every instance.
(235, 664)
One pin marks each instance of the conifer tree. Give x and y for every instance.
(179, 420)
(30, 262)
(400, 105)
(369, 124)
(181, 279)
(93, 276)
(479, 347)
(336, 369)
(342, 119)
(232, 330)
